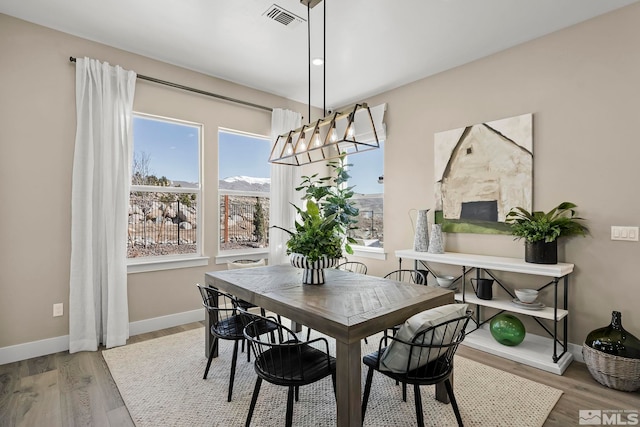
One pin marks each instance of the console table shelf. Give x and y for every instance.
(507, 305)
(547, 353)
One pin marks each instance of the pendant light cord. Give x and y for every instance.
(324, 60)
(309, 55)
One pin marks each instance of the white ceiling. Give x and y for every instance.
(372, 45)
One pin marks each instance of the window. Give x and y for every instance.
(244, 186)
(165, 197)
(367, 177)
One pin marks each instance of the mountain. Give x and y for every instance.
(245, 183)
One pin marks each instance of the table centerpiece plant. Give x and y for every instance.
(542, 230)
(321, 232)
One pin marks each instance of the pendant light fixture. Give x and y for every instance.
(331, 136)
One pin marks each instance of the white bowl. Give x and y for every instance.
(527, 295)
(445, 281)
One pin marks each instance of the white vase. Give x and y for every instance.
(436, 242)
(313, 272)
(421, 232)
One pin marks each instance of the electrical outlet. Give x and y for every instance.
(629, 234)
(58, 309)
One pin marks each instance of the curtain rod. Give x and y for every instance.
(201, 92)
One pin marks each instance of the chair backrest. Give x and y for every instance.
(279, 354)
(431, 350)
(223, 310)
(353, 266)
(409, 276)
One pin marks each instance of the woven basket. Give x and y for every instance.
(620, 373)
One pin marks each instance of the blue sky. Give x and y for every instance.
(366, 169)
(173, 148)
(243, 155)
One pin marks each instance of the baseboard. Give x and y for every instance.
(576, 351)
(15, 353)
(164, 322)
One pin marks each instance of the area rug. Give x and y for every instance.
(161, 383)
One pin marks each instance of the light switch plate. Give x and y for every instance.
(629, 234)
(58, 309)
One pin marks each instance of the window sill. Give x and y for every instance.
(238, 254)
(142, 265)
(372, 253)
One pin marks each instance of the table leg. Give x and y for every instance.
(348, 384)
(295, 326)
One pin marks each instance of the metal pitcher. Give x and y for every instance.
(484, 288)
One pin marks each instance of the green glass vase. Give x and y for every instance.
(614, 339)
(507, 329)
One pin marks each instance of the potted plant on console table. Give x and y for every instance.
(321, 233)
(541, 230)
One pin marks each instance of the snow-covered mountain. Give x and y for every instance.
(245, 183)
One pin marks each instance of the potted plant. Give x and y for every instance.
(541, 230)
(321, 233)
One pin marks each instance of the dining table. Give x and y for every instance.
(347, 307)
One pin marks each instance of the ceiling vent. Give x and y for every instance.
(278, 14)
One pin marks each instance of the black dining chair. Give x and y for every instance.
(429, 362)
(282, 359)
(353, 266)
(408, 276)
(227, 324)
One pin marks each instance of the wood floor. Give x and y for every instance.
(77, 390)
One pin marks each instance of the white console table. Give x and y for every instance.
(546, 353)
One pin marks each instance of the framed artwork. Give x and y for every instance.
(482, 172)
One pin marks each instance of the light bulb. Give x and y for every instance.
(351, 130)
(333, 134)
(289, 149)
(316, 141)
(302, 143)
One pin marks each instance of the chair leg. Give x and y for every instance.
(254, 399)
(454, 404)
(308, 333)
(418, 397)
(367, 390)
(297, 393)
(404, 392)
(333, 381)
(233, 369)
(212, 350)
(289, 419)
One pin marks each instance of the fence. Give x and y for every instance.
(244, 220)
(162, 223)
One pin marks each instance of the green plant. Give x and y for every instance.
(560, 221)
(258, 221)
(329, 215)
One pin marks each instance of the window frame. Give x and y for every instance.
(366, 251)
(229, 255)
(166, 262)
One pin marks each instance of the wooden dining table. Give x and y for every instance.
(348, 307)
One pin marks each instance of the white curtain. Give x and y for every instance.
(284, 179)
(98, 308)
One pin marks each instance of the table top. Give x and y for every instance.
(348, 306)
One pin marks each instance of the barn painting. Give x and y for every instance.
(481, 172)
